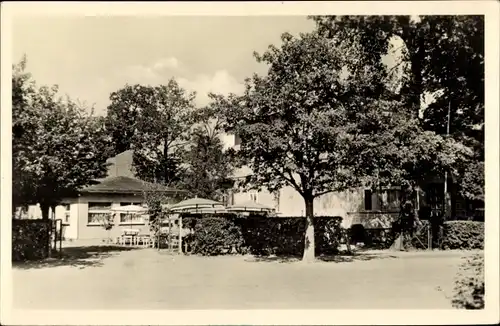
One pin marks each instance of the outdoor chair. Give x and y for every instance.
(144, 240)
(127, 239)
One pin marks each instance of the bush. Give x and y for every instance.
(273, 236)
(215, 236)
(380, 238)
(465, 235)
(469, 284)
(260, 235)
(328, 234)
(30, 239)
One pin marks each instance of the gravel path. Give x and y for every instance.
(148, 279)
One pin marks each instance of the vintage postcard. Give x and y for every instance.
(250, 163)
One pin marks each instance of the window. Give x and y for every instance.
(98, 211)
(237, 140)
(253, 196)
(368, 200)
(127, 204)
(66, 217)
(131, 218)
(228, 198)
(393, 199)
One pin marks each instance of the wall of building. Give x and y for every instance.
(88, 230)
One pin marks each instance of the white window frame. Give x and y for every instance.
(254, 196)
(67, 214)
(137, 219)
(97, 211)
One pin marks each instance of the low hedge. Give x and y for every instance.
(215, 236)
(260, 235)
(285, 235)
(30, 239)
(469, 284)
(465, 235)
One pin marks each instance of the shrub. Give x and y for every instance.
(260, 235)
(30, 239)
(215, 236)
(463, 235)
(469, 284)
(328, 234)
(273, 236)
(380, 238)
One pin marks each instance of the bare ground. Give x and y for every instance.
(107, 277)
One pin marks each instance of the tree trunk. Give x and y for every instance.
(309, 245)
(45, 210)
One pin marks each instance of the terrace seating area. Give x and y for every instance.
(133, 238)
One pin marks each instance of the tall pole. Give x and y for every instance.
(446, 172)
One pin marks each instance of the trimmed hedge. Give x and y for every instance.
(215, 236)
(260, 235)
(30, 239)
(469, 284)
(465, 235)
(285, 235)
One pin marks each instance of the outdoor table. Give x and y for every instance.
(131, 235)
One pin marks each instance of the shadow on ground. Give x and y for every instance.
(80, 257)
(341, 258)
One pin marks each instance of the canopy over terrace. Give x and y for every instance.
(195, 205)
(250, 207)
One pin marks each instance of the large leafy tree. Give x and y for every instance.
(57, 148)
(207, 167)
(322, 120)
(154, 122)
(440, 55)
(293, 122)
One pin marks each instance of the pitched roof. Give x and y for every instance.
(126, 185)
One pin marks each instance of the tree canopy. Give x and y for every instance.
(154, 122)
(57, 148)
(207, 167)
(325, 118)
(442, 56)
(294, 121)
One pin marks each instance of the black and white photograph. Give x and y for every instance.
(250, 162)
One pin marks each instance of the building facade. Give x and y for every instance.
(82, 216)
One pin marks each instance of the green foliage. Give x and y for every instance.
(154, 200)
(154, 122)
(293, 121)
(106, 221)
(207, 168)
(260, 235)
(464, 235)
(215, 236)
(440, 55)
(378, 238)
(469, 284)
(57, 148)
(30, 239)
(274, 236)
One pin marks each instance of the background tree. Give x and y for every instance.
(441, 56)
(57, 148)
(154, 122)
(207, 167)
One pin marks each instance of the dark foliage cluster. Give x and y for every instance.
(30, 239)
(260, 235)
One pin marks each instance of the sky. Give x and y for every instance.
(90, 57)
